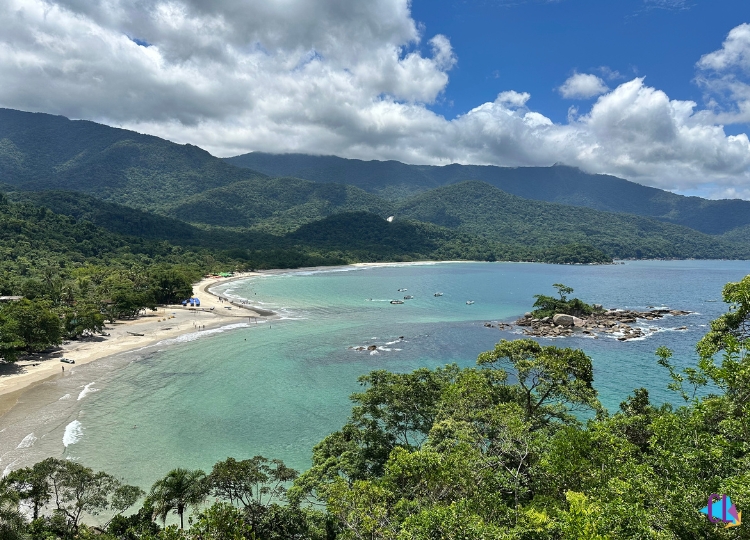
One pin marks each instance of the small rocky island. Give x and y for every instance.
(559, 317)
(612, 321)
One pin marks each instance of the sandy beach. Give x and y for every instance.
(165, 323)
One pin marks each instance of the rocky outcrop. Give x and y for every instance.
(562, 320)
(616, 322)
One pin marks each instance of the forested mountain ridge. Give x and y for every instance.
(206, 202)
(560, 184)
(480, 209)
(276, 205)
(45, 152)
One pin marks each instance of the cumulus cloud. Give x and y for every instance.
(513, 98)
(582, 86)
(734, 53)
(338, 77)
(724, 75)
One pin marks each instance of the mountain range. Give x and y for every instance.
(556, 184)
(146, 187)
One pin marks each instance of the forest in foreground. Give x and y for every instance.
(518, 447)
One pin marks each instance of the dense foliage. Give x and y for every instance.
(556, 184)
(44, 152)
(517, 448)
(547, 306)
(239, 208)
(479, 209)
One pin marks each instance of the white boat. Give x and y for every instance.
(403, 290)
(438, 294)
(469, 302)
(408, 297)
(397, 301)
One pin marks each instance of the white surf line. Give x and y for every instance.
(86, 390)
(73, 433)
(27, 442)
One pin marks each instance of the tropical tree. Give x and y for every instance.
(551, 381)
(31, 484)
(733, 327)
(178, 490)
(12, 523)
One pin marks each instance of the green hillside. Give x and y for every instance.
(480, 209)
(560, 184)
(276, 205)
(111, 216)
(45, 152)
(206, 202)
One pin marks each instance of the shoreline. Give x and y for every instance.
(167, 322)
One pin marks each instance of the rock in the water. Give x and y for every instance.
(580, 323)
(563, 320)
(527, 315)
(372, 348)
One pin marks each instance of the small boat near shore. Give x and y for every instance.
(136, 334)
(403, 290)
(469, 302)
(438, 294)
(408, 297)
(397, 301)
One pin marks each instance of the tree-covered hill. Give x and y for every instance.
(560, 184)
(113, 217)
(480, 209)
(518, 447)
(43, 152)
(216, 205)
(276, 205)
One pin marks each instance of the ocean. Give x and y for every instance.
(276, 388)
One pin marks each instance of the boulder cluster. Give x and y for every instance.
(612, 321)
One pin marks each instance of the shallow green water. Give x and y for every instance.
(277, 388)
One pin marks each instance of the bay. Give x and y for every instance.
(277, 388)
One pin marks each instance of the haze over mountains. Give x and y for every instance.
(160, 190)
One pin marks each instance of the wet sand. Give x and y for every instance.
(165, 323)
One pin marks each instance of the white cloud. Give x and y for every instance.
(582, 86)
(724, 77)
(340, 77)
(735, 52)
(513, 98)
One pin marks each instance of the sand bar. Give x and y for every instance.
(165, 323)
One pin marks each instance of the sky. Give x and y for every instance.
(655, 91)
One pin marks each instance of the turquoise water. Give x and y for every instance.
(277, 388)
